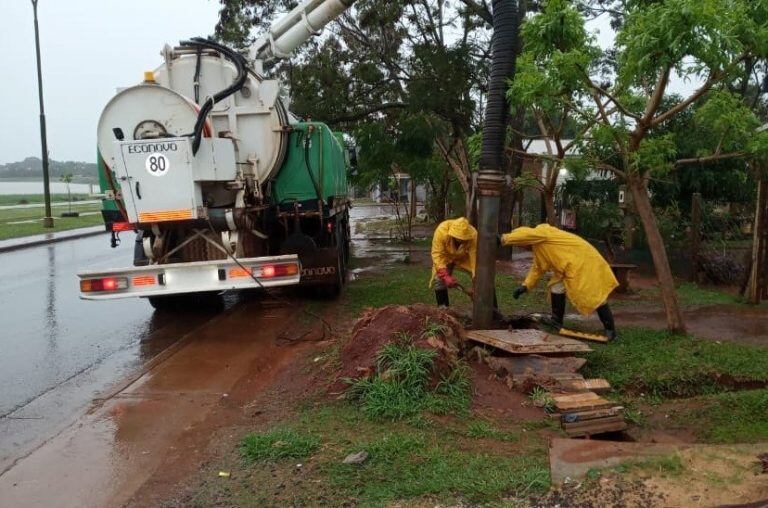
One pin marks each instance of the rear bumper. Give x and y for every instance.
(196, 277)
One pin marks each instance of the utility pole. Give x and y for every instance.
(48, 219)
(490, 178)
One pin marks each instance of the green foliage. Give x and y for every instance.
(692, 294)
(278, 444)
(400, 388)
(659, 364)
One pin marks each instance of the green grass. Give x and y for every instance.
(407, 284)
(664, 466)
(482, 429)
(279, 444)
(407, 466)
(400, 389)
(35, 214)
(663, 365)
(24, 199)
(692, 294)
(735, 417)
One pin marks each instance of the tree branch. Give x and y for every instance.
(709, 158)
(362, 114)
(680, 106)
(657, 96)
(609, 95)
(479, 10)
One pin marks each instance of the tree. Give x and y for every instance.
(549, 84)
(705, 41)
(67, 179)
(386, 62)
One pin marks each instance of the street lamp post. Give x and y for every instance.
(48, 219)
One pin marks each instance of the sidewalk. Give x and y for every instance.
(54, 204)
(46, 238)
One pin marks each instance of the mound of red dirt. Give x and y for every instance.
(426, 326)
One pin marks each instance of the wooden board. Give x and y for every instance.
(565, 332)
(598, 429)
(528, 341)
(593, 423)
(586, 385)
(535, 364)
(580, 402)
(579, 416)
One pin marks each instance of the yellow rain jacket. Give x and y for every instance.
(443, 251)
(587, 277)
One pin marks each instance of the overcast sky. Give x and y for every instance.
(89, 48)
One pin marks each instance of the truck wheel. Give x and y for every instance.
(333, 290)
(164, 303)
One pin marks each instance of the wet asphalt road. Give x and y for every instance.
(57, 351)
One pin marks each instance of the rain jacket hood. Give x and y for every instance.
(587, 276)
(444, 253)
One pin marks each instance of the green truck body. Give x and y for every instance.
(327, 164)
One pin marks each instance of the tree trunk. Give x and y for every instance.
(413, 198)
(549, 206)
(644, 209)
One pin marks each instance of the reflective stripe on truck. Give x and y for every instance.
(194, 277)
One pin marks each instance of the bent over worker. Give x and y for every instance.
(578, 271)
(454, 245)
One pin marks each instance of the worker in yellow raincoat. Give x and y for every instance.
(578, 271)
(454, 245)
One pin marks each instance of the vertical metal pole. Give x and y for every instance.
(48, 219)
(489, 187)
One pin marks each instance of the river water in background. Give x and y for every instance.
(7, 188)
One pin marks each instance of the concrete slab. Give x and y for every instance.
(573, 458)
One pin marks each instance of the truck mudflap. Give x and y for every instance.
(320, 267)
(194, 277)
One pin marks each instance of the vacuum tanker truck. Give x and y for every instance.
(224, 187)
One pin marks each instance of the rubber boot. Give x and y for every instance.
(441, 295)
(558, 308)
(606, 317)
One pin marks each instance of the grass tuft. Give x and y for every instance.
(278, 444)
(400, 388)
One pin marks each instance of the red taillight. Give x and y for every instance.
(282, 270)
(122, 226)
(103, 284)
(329, 227)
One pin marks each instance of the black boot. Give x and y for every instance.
(557, 301)
(441, 295)
(606, 317)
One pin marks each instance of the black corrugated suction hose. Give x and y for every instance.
(242, 75)
(505, 26)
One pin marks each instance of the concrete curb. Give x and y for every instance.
(48, 238)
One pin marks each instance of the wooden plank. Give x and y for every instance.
(580, 402)
(528, 341)
(535, 364)
(593, 423)
(577, 416)
(586, 385)
(565, 332)
(601, 429)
